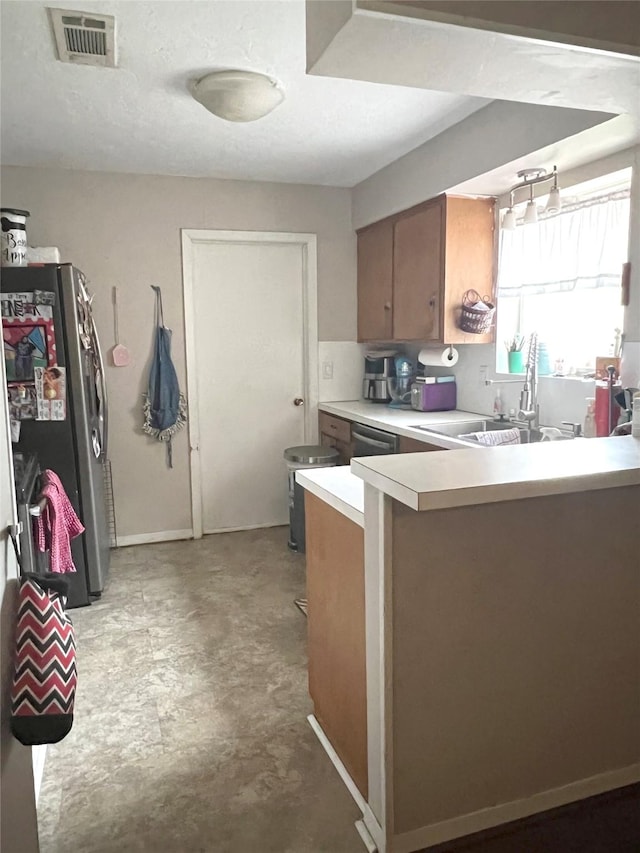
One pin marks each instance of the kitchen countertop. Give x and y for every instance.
(403, 421)
(425, 481)
(336, 486)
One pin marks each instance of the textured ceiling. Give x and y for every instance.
(140, 118)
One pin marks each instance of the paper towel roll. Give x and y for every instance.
(436, 357)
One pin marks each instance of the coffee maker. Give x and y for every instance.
(378, 367)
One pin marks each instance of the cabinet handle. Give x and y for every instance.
(432, 302)
(387, 306)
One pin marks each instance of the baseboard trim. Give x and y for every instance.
(468, 824)
(245, 527)
(364, 834)
(38, 758)
(370, 823)
(150, 538)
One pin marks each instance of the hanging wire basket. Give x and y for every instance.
(110, 503)
(477, 313)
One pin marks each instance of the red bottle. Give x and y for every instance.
(607, 410)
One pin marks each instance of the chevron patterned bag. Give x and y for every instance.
(44, 682)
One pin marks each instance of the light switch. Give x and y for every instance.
(327, 370)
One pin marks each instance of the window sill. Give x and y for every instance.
(571, 378)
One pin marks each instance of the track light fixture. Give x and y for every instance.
(531, 210)
(528, 179)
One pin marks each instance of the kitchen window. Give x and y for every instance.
(560, 277)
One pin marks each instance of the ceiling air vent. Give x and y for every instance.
(84, 39)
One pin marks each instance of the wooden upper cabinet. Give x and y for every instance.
(375, 282)
(471, 262)
(414, 268)
(418, 267)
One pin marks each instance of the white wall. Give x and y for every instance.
(125, 230)
(340, 367)
(497, 134)
(18, 823)
(560, 399)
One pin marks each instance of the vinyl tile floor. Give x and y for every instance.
(190, 731)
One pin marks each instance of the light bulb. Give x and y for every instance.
(509, 220)
(531, 213)
(554, 203)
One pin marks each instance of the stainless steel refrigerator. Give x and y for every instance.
(75, 447)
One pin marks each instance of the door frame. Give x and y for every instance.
(193, 237)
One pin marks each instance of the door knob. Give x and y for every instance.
(387, 306)
(298, 401)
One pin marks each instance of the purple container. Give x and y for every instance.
(434, 397)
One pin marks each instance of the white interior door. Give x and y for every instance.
(247, 367)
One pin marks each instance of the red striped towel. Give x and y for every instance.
(57, 524)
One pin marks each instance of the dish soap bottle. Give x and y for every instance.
(589, 430)
(498, 407)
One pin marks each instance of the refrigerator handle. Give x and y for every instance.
(103, 391)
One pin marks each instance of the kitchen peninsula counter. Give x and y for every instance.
(338, 487)
(513, 472)
(499, 629)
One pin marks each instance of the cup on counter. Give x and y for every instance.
(14, 237)
(516, 361)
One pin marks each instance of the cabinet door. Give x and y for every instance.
(336, 632)
(336, 432)
(343, 447)
(414, 445)
(471, 262)
(375, 270)
(418, 274)
(337, 427)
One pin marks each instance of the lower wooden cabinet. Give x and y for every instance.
(336, 432)
(412, 445)
(336, 633)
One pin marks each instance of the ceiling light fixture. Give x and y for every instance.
(238, 95)
(509, 220)
(529, 178)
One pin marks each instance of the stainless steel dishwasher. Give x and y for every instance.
(369, 441)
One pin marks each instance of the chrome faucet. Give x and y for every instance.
(529, 411)
(529, 408)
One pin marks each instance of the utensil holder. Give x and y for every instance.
(516, 361)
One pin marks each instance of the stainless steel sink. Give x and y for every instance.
(454, 430)
(461, 429)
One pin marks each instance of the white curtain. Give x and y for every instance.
(579, 248)
(560, 278)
